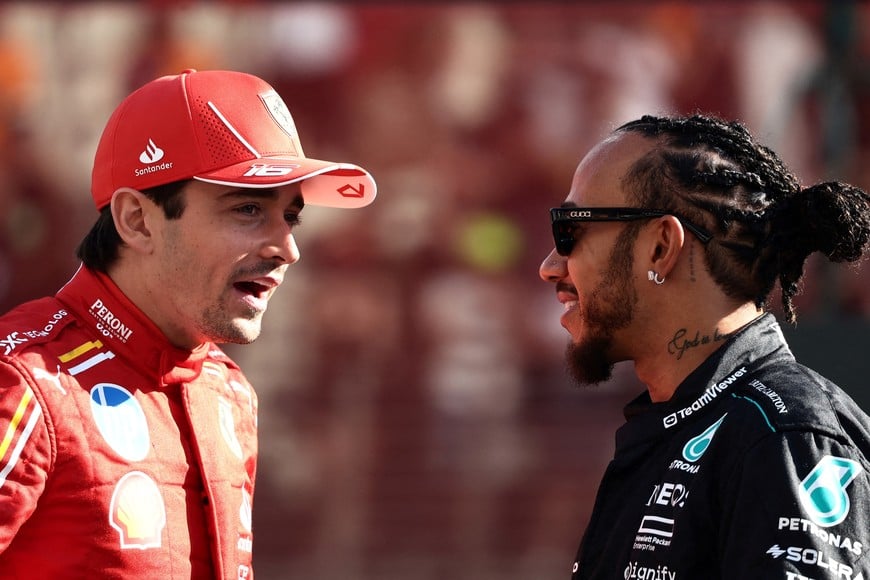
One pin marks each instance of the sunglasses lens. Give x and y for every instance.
(563, 236)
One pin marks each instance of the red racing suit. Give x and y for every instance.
(121, 456)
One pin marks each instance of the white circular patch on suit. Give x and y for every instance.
(121, 421)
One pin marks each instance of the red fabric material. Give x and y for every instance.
(120, 455)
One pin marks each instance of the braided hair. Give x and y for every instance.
(764, 224)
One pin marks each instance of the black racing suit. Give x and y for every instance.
(757, 468)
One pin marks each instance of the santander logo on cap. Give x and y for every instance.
(152, 153)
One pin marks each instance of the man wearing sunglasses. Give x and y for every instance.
(737, 462)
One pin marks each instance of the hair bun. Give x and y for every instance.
(835, 218)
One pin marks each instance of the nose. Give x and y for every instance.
(281, 245)
(293, 250)
(553, 267)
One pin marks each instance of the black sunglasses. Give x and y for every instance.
(563, 219)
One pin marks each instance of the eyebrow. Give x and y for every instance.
(261, 193)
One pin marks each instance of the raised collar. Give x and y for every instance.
(125, 330)
(761, 339)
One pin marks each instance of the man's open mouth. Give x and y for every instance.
(252, 288)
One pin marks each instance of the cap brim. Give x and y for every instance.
(325, 183)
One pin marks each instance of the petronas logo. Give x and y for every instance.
(696, 446)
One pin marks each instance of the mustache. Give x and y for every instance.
(563, 286)
(263, 268)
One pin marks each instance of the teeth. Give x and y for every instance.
(570, 304)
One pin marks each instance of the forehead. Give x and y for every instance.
(599, 176)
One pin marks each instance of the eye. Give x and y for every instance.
(293, 219)
(248, 209)
(572, 230)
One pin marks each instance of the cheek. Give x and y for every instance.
(186, 261)
(185, 251)
(186, 270)
(585, 273)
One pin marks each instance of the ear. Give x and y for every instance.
(131, 211)
(668, 241)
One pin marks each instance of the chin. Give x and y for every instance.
(248, 333)
(234, 332)
(588, 361)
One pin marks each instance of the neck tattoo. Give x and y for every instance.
(682, 342)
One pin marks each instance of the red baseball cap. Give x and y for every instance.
(222, 127)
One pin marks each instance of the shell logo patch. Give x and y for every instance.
(121, 421)
(137, 511)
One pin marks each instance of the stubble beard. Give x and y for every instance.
(221, 329)
(221, 326)
(243, 328)
(215, 322)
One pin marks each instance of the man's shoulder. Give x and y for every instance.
(788, 396)
(32, 324)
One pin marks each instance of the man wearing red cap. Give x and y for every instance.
(127, 437)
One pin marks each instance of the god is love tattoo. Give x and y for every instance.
(682, 342)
